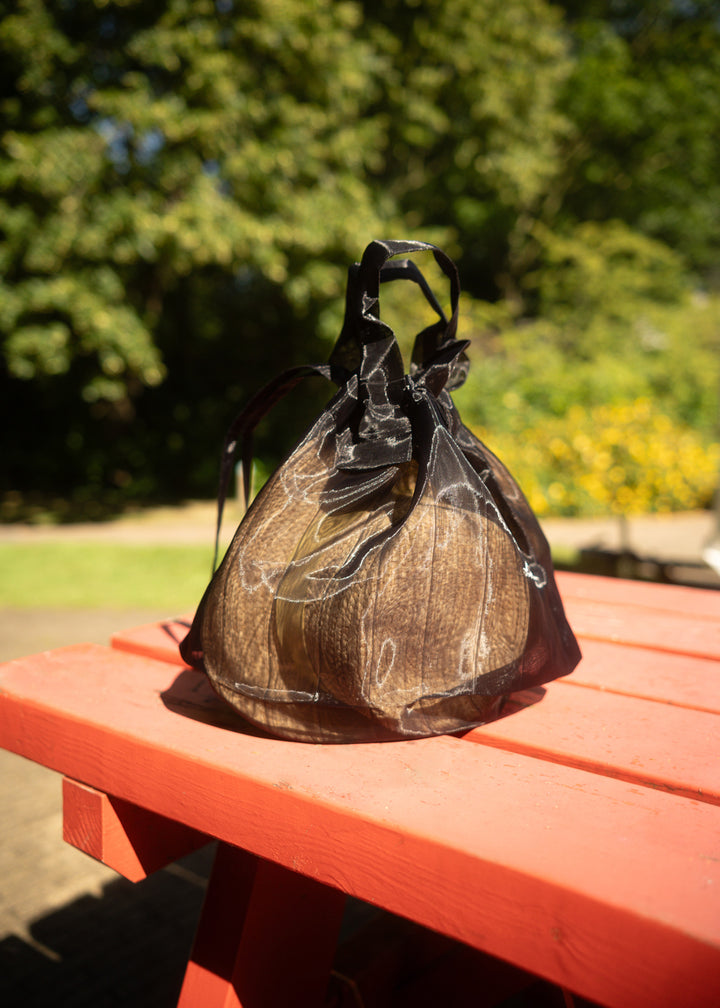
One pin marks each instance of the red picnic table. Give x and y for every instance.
(577, 838)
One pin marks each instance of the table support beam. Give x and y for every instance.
(267, 937)
(130, 839)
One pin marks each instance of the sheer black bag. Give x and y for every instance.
(390, 580)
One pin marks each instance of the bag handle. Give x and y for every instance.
(374, 258)
(361, 326)
(362, 322)
(240, 432)
(399, 269)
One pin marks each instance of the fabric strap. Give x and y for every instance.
(366, 345)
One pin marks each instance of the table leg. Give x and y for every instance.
(266, 937)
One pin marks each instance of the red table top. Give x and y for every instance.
(578, 837)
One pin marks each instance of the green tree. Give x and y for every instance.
(474, 128)
(183, 183)
(643, 100)
(169, 171)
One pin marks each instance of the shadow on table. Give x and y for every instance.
(191, 695)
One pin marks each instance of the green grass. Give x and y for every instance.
(103, 575)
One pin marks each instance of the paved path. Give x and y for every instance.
(187, 523)
(678, 538)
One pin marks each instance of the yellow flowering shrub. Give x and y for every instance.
(621, 458)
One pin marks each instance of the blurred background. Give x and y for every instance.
(183, 185)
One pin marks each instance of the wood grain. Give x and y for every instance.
(601, 885)
(655, 745)
(133, 840)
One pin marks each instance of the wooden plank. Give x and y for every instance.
(654, 629)
(700, 603)
(681, 680)
(155, 640)
(605, 887)
(133, 841)
(267, 936)
(651, 744)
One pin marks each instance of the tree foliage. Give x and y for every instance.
(184, 182)
(642, 97)
(474, 123)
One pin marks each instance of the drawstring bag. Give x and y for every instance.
(390, 580)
